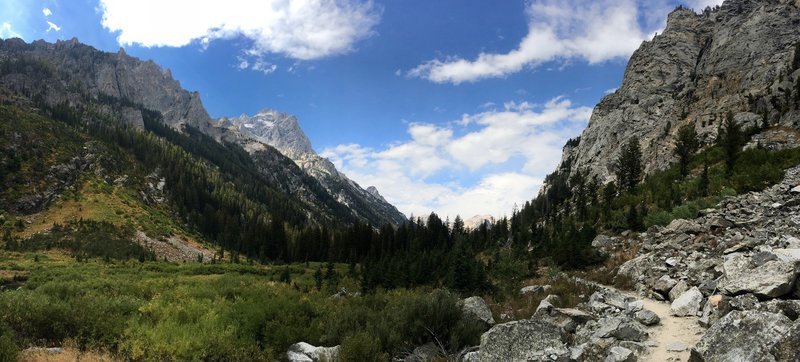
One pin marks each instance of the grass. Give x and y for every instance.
(140, 311)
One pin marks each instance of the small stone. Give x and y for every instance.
(677, 346)
(646, 317)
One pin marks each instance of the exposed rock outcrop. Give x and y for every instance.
(735, 59)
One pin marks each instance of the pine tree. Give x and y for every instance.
(703, 184)
(628, 165)
(685, 146)
(318, 278)
(731, 139)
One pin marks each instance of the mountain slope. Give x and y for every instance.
(281, 130)
(737, 58)
(69, 75)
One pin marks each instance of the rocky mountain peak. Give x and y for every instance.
(277, 129)
(734, 58)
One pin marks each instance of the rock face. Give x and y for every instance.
(524, 340)
(737, 58)
(282, 131)
(741, 336)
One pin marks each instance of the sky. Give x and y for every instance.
(459, 107)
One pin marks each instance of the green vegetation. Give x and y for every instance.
(163, 311)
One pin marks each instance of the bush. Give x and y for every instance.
(8, 349)
(362, 347)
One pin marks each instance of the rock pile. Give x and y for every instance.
(737, 268)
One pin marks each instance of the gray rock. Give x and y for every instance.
(620, 354)
(676, 291)
(646, 317)
(423, 353)
(688, 304)
(604, 242)
(683, 226)
(741, 336)
(476, 308)
(789, 308)
(677, 346)
(568, 319)
(787, 348)
(743, 302)
(471, 356)
(304, 352)
(622, 328)
(523, 340)
(534, 289)
(772, 279)
(664, 284)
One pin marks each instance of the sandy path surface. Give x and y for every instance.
(673, 333)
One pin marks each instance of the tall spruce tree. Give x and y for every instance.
(685, 146)
(628, 165)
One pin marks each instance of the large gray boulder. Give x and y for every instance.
(741, 336)
(678, 290)
(523, 340)
(622, 328)
(688, 304)
(476, 308)
(772, 279)
(304, 352)
(683, 226)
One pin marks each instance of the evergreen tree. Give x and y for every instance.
(685, 146)
(703, 184)
(628, 165)
(731, 139)
(318, 278)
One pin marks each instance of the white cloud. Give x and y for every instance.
(6, 31)
(299, 29)
(52, 26)
(47, 12)
(594, 31)
(506, 152)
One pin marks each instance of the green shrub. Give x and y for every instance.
(362, 347)
(8, 349)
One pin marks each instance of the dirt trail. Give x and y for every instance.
(672, 332)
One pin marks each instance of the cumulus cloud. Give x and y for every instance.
(299, 29)
(6, 31)
(595, 31)
(52, 26)
(506, 151)
(46, 12)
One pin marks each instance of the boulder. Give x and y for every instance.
(622, 328)
(566, 318)
(523, 340)
(611, 297)
(664, 284)
(679, 288)
(476, 308)
(470, 356)
(603, 242)
(741, 336)
(534, 289)
(646, 317)
(772, 279)
(787, 348)
(304, 352)
(789, 308)
(620, 354)
(423, 353)
(683, 226)
(687, 304)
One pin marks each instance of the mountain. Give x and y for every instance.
(282, 131)
(41, 76)
(739, 58)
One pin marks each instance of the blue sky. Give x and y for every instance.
(452, 106)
